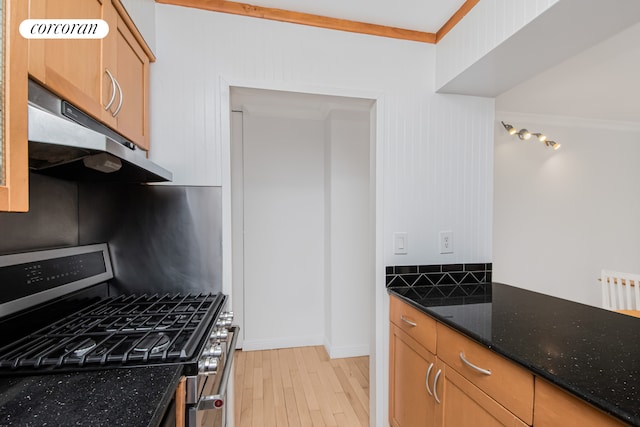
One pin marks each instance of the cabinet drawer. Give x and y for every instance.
(507, 383)
(555, 407)
(418, 325)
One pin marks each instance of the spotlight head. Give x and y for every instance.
(509, 128)
(524, 134)
(541, 137)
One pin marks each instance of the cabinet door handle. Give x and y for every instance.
(435, 386)
(426, 380)
(408, 322)
(113, 89)
(115, 113)
(472, 366)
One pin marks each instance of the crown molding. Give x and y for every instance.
(245, 9)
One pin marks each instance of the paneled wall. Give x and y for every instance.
(488, 24)
(437, 149)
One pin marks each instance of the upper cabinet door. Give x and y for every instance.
(74, 68)
(14, 184)
(132, 74)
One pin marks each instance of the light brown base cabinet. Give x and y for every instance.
(439, 377)
(411, 404)
(555, 407)
(430, 386)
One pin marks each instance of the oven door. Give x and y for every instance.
(211, 407)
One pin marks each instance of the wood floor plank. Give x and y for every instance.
(258, 389)
(269, 407)
(303, 370)
(348, 411)
(361, 412)
(286, 361)
(301, 401)
(316, 418)
(258, 419)
(293, 417)
(300, 387)
(238, 381)
(248, 369)
(266, 364)
(329, 395)
(325, 406)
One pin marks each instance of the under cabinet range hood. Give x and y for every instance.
(66, 143)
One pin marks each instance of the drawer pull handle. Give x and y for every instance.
(426, 380)
(408, 322)
(472, 366)
(435, 386)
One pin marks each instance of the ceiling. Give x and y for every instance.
(602, 83)
(419, 15)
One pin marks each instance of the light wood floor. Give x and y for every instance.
(300, 387)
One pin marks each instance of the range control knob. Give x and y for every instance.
(219, 334)
(227, 315)
(224, 323)
(213, 351)
(208, 364)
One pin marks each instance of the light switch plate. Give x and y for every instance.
(400, 243)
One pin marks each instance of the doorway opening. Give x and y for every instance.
(303, 220)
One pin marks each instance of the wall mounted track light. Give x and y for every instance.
(525, 135)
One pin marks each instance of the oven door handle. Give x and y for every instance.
(217, 400)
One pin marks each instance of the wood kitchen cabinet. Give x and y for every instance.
(464, 404)
(556, 407)
(132, 74)
(412, 361)
(412, 365)
(502, 380)
(107, 78)
(14, 176)
(429, 385)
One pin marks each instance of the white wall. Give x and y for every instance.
(350, 265)
(437, 149)
(283, 232)
(435, 152)
(143, 14)
(486, 26)
(561, 216)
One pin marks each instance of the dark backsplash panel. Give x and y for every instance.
(52, 220)
(441, 280)
(161, 238)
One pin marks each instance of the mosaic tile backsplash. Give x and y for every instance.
(441, 280)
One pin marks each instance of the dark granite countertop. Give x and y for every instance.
(116, 397)
(590, 352)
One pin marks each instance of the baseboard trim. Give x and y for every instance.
(270, 344)
(340, 352)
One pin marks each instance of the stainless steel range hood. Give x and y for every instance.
(66, 143)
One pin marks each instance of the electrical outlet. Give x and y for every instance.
(446, 242)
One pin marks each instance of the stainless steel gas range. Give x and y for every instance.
(57, 314)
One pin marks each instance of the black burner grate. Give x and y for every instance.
(117, 331)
